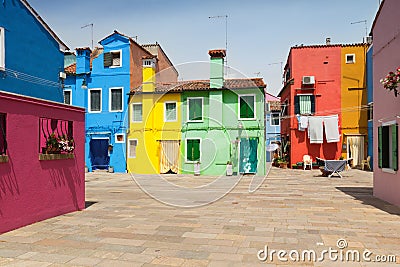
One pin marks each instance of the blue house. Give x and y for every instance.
(21, 28)
(101, 81)
(272, 123)
(370, 91)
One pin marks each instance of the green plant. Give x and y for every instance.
(52, 143)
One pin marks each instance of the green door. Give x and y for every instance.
(248, 155)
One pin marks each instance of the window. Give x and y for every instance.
(94, 100)
(246, 106)
(137, 112)
(388, 146)
(370, 114)
(170, 111)
(192, 150)
(274, 119)
(68, 97)
(116, 99)
(113, 59)
(304, 104)
(284, 108)
(2, 49)
(195, 109)
(119, 138)
(350, 58)
(3, 140)
(132, 145)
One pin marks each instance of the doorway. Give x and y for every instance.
(169, 156)
(355, 149)
(99, 153)
(248, 155)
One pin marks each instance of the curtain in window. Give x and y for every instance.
(137, 112)
(170, 111)
(132, 148)
(169, 158)
(95, 100)
(116, 99)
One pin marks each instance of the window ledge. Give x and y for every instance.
(387, 170)
(56, 156)
(3, 159)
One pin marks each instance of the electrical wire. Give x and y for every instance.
(30, 78)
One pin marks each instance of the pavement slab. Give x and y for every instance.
(125, 225)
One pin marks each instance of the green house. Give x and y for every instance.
(222, 121)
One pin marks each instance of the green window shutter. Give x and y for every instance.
(296, 104)
(196, 150)
(192, 150)
(394, 147)
(189, 150)
(107, 59)
(380, 147)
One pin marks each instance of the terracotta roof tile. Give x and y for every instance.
(217, 53)
(71, 69)
(204, 85)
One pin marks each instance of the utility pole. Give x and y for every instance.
(91, 26)
(226, 37)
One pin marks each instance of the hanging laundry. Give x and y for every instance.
(303, 123)
(331, 124)
(315, 130)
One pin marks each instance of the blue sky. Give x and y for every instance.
(260, 32)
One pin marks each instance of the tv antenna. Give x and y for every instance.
(276, 63)
(226, 37)
(365, 23)
(91, 26)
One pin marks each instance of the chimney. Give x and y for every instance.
(328, 41)
(83, 60)
(149, 73)
(217, 67)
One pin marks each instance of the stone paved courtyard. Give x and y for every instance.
(291, 210)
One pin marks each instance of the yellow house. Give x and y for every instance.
(155, 126)
(354, 102)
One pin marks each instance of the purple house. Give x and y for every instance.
(386, 114)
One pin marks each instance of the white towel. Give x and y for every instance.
(315, 130)
(331, 124)
(303, 122)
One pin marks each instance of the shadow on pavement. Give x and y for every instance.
(365, 194)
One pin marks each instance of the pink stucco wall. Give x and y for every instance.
(386, 58)
(31, 189)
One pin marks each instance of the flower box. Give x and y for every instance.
(56, 156)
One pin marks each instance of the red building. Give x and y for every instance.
(312, 89)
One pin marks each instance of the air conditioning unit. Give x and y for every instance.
(308, 80)
(62, 75)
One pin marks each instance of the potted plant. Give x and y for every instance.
(52, 144)
(66, 144)
(282, 163)
(229, 169)
(110, 169)
(197, 168)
